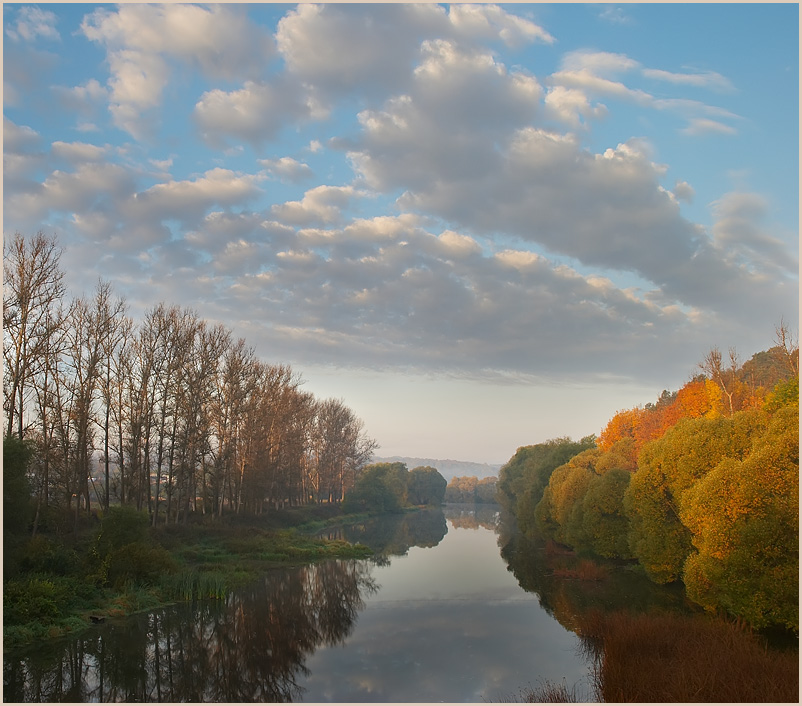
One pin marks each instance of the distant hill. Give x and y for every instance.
(448, 468)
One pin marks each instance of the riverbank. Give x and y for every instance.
(59, 585)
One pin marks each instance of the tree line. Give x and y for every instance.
(390, 487)
(701, 486)
(470, 489)
(171, 414)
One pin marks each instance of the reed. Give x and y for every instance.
(193, 585)
(680, 658)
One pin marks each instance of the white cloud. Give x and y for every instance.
(140, 38)
(76, 152)
(189, 200)
(702, 79)
(287, 168)
(491, 21)
(461, 102)
(598, 63)
(33, 22)
(572, 107)
(321, 205)
(584, 79)
(614, 14)
(740, 234)
(705, 126)
(254, 113)
(343, 47)
(683, 191)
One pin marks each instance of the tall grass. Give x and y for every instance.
(192, 585)
(676, 658)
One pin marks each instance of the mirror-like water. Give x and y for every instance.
(440, 616)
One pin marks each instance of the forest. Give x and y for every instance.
(171, 415)
(699, 487)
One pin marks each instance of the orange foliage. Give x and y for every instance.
(621, 426)
(693, 400)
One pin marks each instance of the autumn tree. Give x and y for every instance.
(743, 517)
(667, 469)
(559, 513)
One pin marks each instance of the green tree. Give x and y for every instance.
(605, 524)
(16, 490)
(524, 478)
(667, 468)
(426, 486)
(744, 521)
(381, 487)
(560, 516)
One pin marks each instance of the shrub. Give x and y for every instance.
(122, 525)
(35, 599)
(47, 556)
(137, 563)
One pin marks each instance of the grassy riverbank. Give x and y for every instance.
(57, 585)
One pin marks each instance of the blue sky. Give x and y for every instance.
(482, 226)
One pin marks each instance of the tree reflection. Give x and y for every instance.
(533, 563)
(473, 516)
(251, 647)
(393, 535)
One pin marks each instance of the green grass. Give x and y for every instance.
(199, 561)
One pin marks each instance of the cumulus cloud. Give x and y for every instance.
(76, 152)
(139, 40)
(491, 21)
(411, 296)
(338, 48)
(572, 107)
(188, 200)
(683, 191)
(254, 113)
(287, 168)
(321, 205)
(460, 103)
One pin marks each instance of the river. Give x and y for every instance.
(449, 610)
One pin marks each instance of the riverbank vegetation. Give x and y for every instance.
(700, 487)
(55, 585)
(671, 658)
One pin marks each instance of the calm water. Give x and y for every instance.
(441, 615)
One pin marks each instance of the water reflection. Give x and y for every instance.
(473, 516)
(533, 562)
(393, 535)
(250, 647)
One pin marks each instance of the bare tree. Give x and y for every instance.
(32, 289)
(789, 343)
(725, 377)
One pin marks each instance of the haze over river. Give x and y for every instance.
(438, 616)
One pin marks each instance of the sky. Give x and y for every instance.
(481, 226)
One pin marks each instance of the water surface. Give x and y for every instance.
(438, 617)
